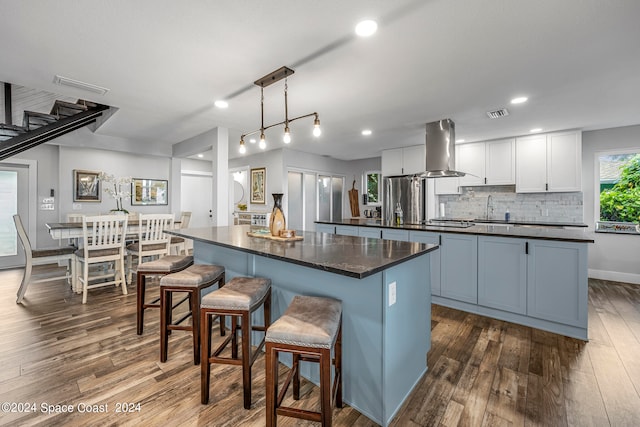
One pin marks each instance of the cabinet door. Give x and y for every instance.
(392, 162)
(564, 161)
(414, 160)
(347, 230)
(402, 235)
(434, 239)
(500, 162)
(470, 160)
(459, 267)
(326, 228)
(557, 286)
(447, 185)
(370, 232)
(502, 273)
(531, 164)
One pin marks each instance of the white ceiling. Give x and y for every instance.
(165, 62)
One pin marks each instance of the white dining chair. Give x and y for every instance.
(152, 240)
(180, 245)
(42, 257)
(103, 242)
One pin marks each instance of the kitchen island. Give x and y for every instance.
(531, 275)
(384, 288)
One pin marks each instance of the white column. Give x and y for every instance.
(220, 170)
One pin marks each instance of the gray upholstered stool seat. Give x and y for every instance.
(159, 267)
(239, 299)
(309, 329)
(191, 280)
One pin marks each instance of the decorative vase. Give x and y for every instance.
(277, 221)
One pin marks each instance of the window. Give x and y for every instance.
(619, 187)
(372, 184)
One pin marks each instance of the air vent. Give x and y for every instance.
(496, 114)
(65, 81)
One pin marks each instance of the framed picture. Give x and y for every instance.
(149, 191)
(86, 186)
(258, 185)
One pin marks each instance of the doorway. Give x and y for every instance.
(14, 198)
(195, 197)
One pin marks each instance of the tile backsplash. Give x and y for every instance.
(540, 207)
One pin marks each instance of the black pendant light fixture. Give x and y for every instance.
(273, 77)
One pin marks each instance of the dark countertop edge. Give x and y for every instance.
(468, 230)
(353, 274)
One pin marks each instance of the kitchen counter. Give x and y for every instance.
(526, 230)
(385, 289)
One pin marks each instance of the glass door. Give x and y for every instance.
(14, 191)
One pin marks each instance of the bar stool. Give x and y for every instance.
(191, 280)
(309, 329)
(239, 298)
(159, 267)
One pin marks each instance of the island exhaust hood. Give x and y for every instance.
(441, 154)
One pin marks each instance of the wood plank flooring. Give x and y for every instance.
(482, 372)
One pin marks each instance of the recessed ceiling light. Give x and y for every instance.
(366, 132)
(220, 103)
(459, 140)
(200, 155)
(534, 130)
(366, 28)
(519, 100)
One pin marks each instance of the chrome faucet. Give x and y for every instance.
(489, 213)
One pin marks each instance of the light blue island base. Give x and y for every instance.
(384, 347)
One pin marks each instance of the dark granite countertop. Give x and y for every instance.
(357, 257)
(528, 231)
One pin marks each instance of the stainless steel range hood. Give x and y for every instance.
(441, 154)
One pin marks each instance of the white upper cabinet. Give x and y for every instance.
(551, 162)
(487, 163)
(447, 185)
(404, 161)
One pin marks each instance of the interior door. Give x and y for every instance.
(196, 192)
(14, 191)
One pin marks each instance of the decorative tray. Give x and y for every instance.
(276, 238)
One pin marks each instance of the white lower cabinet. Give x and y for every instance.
(370, 232)
(557, 283)
(502, 273)
(402, 235)
(459, 267)
(433, 239)
(347, 230)
(326, 228)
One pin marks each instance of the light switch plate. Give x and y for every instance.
(392, 293)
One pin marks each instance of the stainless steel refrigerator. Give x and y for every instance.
(410, 192)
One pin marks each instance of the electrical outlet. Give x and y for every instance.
(392, 293)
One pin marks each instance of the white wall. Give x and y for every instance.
(613, 256)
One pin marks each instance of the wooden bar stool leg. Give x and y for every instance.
(141, 286)
(271, 378)
(165, 320)
(325, 387)
(338, 368)
(205, 325)
(296, 376)
(234, 337)
(195, 324)
(246, 358)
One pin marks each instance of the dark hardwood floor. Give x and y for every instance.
(56, 351)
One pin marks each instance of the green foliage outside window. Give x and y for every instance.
(621, 203)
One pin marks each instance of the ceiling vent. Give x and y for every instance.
(65, 81)
(496, 114)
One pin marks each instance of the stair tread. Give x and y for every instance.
(39, 115)
(66, 109)
(15, 128)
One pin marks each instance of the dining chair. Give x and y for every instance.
(41, 257)
(103, 242)
(152, 240)
(180, 245)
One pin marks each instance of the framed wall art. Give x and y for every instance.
(86, 186)
(258, 185)
(149, 191)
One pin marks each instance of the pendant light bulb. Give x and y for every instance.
(316, 127)
(242, 149)
(263, 143)
(287, 135)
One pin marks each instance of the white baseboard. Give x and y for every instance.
(615, 276)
